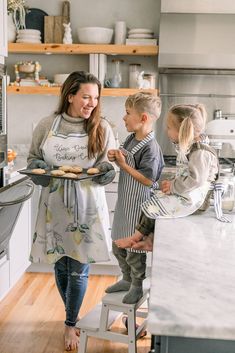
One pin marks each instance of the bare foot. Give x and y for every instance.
(77, 331)
(145, 244)
(70, 338)
(124, 243)
(129, 241)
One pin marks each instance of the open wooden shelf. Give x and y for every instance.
(109, 49)
(106, 92)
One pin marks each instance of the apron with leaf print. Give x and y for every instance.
(73, 218)
(161, 205)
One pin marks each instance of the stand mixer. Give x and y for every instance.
(221, 130)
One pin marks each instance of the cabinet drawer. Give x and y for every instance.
(112, 187)
(4, 277)
(111, 215)
(111, 198)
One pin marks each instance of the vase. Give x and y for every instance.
(11, 29)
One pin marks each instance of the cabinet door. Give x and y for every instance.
(4, 277)
(19, 246)
(3, 27)
(198, 6)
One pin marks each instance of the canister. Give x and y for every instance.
(151, 78)
(134, 71)
(228, 197)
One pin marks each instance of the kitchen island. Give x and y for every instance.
(192, 296)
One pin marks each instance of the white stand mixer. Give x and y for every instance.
(221, 131)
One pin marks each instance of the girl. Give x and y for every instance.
(197, 168)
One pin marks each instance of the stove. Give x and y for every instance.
(170, 161)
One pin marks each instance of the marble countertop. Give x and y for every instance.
(193, 278)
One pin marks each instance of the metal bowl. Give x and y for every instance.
(26, 67)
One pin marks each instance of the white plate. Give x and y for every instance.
(139, 35)
(140, 30)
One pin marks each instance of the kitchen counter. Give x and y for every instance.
(12, 174)
(193, 278)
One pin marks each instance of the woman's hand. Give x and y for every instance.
(165, 186)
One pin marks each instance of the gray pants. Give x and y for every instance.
(145, 225)
(132, 265)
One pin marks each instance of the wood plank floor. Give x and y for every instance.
(32, 315)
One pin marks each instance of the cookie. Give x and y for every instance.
(93, 171)
(57, 172)
(76, 169)
(65, 168)
(70, 175)
(38, 171)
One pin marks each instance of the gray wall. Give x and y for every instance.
(26, 110)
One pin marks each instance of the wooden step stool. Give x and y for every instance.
(98, 321)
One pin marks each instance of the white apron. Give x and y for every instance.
(161, 205)
(73, 218)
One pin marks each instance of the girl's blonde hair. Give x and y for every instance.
(145, 102)
(190, 120)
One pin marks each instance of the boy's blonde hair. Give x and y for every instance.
(145, 102)
(190, 120)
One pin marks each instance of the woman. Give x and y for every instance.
(72, 224)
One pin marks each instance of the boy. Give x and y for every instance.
(140, 160)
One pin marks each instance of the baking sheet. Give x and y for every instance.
(80, 176)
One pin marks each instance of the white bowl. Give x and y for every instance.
(95, 35)
(29, 31)
(28, 41)
(60, 78)
(28, 37)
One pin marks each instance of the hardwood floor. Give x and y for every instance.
(32, 315)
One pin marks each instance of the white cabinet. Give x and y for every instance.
(4, 276)
(198, 6)
(19, 246)
(3, 27)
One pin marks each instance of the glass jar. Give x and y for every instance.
(151, 78)
(134, 71)
(116, 79)
(228, 197)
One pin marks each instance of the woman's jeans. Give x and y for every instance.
(71, 279)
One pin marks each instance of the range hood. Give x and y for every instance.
(197, 41)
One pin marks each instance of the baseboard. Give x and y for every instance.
(95, 269)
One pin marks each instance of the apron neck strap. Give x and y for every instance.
(56, 123)
(148, 138)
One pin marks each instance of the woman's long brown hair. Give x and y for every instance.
(92, 125)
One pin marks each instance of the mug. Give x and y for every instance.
(120, 32)
(112, 83)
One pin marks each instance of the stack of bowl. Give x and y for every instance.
(28, 36)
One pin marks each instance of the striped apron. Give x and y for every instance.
(131, 194)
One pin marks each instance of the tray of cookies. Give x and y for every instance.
(64, 172)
